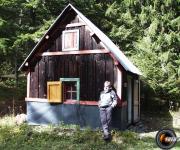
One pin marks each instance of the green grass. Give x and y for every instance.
(24, 137)
(68, 137)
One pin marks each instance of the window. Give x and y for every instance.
(70, 40)
(71, 88)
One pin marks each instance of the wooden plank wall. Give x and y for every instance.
(86, 42)
(92, 69)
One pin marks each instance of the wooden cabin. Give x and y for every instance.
(66, 71)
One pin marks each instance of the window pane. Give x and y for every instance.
(73, 87)
(70, 40)
(68, 95)
(70, 90)
(74, 95)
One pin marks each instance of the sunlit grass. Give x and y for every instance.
(69, 137)
(64, 137)
(7, 121)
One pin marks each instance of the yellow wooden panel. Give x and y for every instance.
(54, 91)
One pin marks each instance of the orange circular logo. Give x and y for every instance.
(166, 138)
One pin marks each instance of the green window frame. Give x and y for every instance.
(77, 80)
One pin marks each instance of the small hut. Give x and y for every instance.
(66, 71)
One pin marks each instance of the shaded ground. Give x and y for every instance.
(155, 122)
(12, 107)
(9, 92)
(152, 122)
(11, 99)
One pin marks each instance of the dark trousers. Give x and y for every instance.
(106, 116)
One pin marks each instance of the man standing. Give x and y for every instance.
(108, 100)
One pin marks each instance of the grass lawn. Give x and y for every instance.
(68, 137)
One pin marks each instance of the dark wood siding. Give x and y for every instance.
(34, 82)
(42, 80)
(86, 41)
(92, 69)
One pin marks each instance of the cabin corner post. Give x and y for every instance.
(139, 96)
(28, 85)
(119, 83)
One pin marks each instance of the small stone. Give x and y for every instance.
(20, 119)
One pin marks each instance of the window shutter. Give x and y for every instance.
(54, 92)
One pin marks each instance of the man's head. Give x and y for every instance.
(107, 86)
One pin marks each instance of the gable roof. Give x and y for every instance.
(119, 55)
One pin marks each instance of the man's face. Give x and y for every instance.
(106, 88)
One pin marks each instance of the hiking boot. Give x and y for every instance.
(107, 137)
